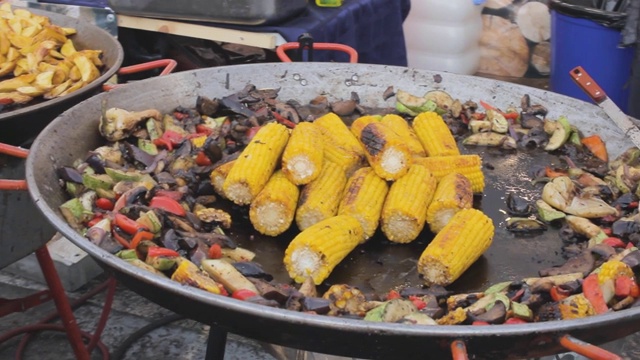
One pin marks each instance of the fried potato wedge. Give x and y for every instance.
(13, 84)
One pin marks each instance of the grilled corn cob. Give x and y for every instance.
(468, 165)
(318, 249)
(434, 135)
(363, 199)
(341, 146)
(272, 211)
(575, 307)
(256, 163)
(406, 133)
(218, 176)
(387, 154)
(320, 198)
(358, 124)
(456, 247)
(334, 127)
(405, 208)
(188, 273)
(453, 194)
(302, 158)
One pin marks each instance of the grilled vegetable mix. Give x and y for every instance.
(151, 194)
(39, 60)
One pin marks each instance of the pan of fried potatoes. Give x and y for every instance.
(48, 63)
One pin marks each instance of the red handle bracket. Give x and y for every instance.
(19, 153)
(459, 350)
(353, 54)
(587, 84)
(585, 349)
(168, 64)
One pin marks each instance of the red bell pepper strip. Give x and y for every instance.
(128, 225)
(202, 159)
(607, 231)
(6, 101)
(204, 130)
(552, 173)
(158, 251)
(215, 251)
(104, 204)
(138, 237)
(614, 242)
(163, 143)
(592, 291)
(419, 303)
(169, 139)
(252, 131)
(635, 290)
(175, 195)
(507, 115)
(120, 239)
(243, 294)
(393, 295)
(479, 323)
(558, 294)
(167, 204)
(629, 245)
(96, 218)
(514, 321)
(178, 115)
(283, 120)
(597, 147)
(623, 286)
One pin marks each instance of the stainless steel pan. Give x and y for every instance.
(74, 132)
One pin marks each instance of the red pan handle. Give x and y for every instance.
(459, 350)
(585, 349)
(586, 83)
(353, 54)
(168, 64)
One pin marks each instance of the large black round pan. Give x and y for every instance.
(375, 266)
(22, 124)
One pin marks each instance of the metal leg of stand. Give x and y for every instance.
(216, 343)
(62, 303)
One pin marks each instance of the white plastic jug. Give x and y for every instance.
(443, 35)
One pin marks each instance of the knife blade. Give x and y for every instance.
(597, 94)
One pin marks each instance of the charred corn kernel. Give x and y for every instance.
(318, 249)
(406, 133)
(363, 199)
(358, 124)
(188, 273)
(575, 307)
(320, 198)
(272, 211)
(387, 154)
(302, 158)
(405, 208)
(198, 142)
(335, 128)
(456, 247)
(455, 317)
(256, 163)
(346, 299)
(453, 194)
(468, 165)
(434, 135)
(611, 269)
(218, 175)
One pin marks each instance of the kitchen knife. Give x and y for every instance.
(595, 92)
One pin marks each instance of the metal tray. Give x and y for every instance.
(237, 12)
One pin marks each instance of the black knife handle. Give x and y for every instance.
(587, 84)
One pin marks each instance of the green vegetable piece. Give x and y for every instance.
(414, 103)
(547, 213)
(598, 239)
(97, 181)
(148, 146)
(73, 189)
(499, 287)
(521, 311)
(405, 110)
(375, 314)
(151, 221)
(443, 100)
(503, 298)
(119, 175)
(75, 213)
(418, 318)
(560, 134)
(128, 254)
(153, 129)
(142, 265)
(160, 262)
(574, 138)
(105, 193)
(391, 311)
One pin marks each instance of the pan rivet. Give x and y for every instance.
(297, 77)
(348, 82)
(355, 77)
(110, 18)
(303, 82)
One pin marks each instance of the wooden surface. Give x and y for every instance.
(257, 39)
